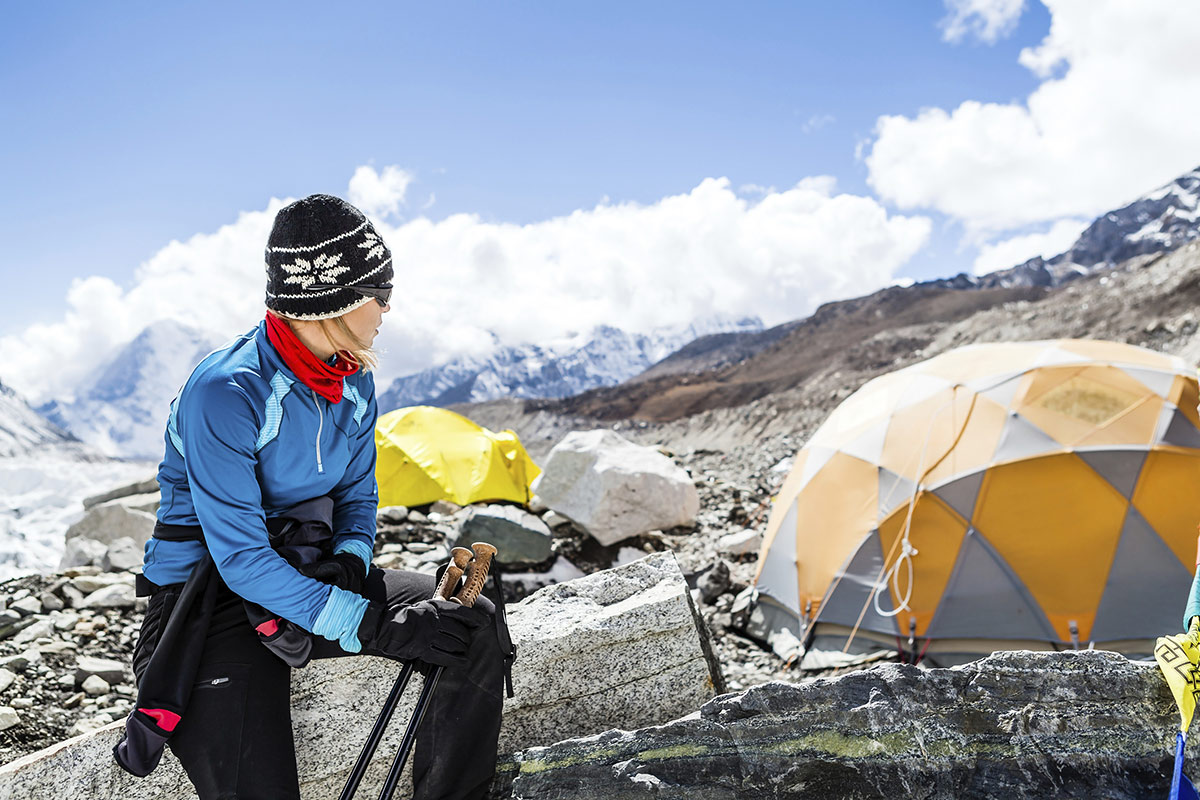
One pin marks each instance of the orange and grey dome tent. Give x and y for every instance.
(1037, 495)
(427, 453)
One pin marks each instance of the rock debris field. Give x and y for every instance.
(66, 639)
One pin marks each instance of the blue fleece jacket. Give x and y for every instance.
(247, 440)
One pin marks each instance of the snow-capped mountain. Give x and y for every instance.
(603, 357)
(1156, 222)
(44, 475)
(122, 410)
(22, 429)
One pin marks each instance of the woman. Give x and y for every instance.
(282, 415)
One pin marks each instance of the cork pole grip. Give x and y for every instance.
(477, 572)
(459, 558)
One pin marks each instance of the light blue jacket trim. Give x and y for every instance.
(358, 548)
(340, 618)
(360, 405)
(280, 385)
(1192, 608)
(173, 426)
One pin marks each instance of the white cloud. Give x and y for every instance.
(461, 279)
(1115, 123)
(817, 121)
(987, 20)
(1019, 249)
(213, 281)
(379, 194)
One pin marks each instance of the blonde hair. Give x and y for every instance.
(360, 352)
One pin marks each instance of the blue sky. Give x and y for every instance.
(128, 127)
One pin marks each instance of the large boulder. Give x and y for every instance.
(619, 647)
(110, 521)
(1014, 724)
(518, 536)
(613, 488)
(143, 487)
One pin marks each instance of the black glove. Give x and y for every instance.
(344, 570)
(434, 631)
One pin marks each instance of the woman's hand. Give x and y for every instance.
(344, 570)
(434, 631)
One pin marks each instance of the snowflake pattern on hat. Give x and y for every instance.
(322, 269)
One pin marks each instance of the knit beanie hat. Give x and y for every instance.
(319, 246)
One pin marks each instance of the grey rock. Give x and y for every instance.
(23, 703)
(90, 583)
(436, 556)
(147, 502)
(66, 620)
(519, 537)
(110, 671)
(417, 516)
(148, 486)
(118, 595)
(445, 508)
(50, 602)
(42, 627)
(615, 489)
(72, 595)
(8, 616)
(553, 519)
(6, 679)
(110, 521)
(21, 661)
(123, 554)
(740, 543)
(714, 581)
(26, 606)
(81, 551)
(94, 685)
(1071, 724)
(8, 718)
(93, 724)
(392, 515)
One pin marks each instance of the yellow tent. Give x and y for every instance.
(428, 454)
(1022, 495)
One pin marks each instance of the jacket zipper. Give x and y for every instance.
(320, 427)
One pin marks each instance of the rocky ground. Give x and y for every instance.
(66, 639)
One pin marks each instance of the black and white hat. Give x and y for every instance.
(319, 247)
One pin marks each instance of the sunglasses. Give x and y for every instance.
(382, 294)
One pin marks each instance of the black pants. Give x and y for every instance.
(235, 741)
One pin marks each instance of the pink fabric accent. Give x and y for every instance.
(167, 720)
(268, 628)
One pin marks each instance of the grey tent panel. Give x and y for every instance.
(961, 493)
(1146, 587)
(985, 600)
(1002, 393)
(1022, 439)
(854, 590)
(894, 491)
(1180, 431)
(868, 445)
(1120, 468)
(1157, 381)
(778, 577)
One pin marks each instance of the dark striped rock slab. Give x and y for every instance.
(1014, 724)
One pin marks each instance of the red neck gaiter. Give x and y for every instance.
(324, 379)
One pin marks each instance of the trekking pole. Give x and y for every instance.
(460, 557)
(477, 572)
